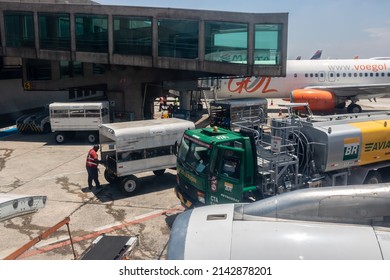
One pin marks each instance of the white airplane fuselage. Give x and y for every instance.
(344, 79)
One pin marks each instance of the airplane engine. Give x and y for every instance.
(318, 100)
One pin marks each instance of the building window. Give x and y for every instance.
(132, 35)
(267, 44)
(38, 69)
(19, 29)
(91, 33)
(71, 69)
(178, 38)
(54, 31)
(226, 42)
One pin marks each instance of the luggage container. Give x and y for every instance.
(67, 119)
(133, 147)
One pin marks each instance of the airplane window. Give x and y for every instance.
(338, 75)
(311, 75)
(377, 74)
(344, 75)
(316, 75)
(306, 75)
(295, 75)
(360, 74)
(322, 75)
(331, 75)
(355, 74)
(383, 74)
(365, 74)
(349, 75)
(371, 74)
(388, 74)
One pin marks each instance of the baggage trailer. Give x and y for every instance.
(226, 112)
(132, 147)
(67, 119)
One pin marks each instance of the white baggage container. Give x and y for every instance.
(68, 118)
(132, 147)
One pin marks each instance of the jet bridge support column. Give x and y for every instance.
(185, 100)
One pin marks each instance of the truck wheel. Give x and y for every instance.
(92, 138)
(110, 177)
(60, 137)
(373, 177)
(159, 172)
(130, 184)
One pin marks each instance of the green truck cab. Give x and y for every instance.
(215, 166)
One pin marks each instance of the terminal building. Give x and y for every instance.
(130, 55)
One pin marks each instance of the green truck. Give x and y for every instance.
(211, 167)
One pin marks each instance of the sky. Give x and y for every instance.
(341, 28)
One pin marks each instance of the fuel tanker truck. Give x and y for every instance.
(258, 160)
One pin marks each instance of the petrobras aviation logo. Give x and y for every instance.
(376, 146)
(351, 148)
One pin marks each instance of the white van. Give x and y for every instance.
(68, 118)
(132, 147)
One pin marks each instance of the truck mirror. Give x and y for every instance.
(175, 148)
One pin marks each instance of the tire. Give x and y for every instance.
(130, 185)
(159, 172)
(60, 137)
(373, 177)
(354, 108)
(110, 177)
(92, 138)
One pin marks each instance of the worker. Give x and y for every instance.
(170, 111)
(92, 167)
(161, 103)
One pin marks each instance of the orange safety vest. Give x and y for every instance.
(91, 158)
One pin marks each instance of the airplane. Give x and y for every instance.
(323, 84)
(328, 223)
(316, 55)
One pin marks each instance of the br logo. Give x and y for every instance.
(351, 148)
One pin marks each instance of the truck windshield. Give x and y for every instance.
(194, 155)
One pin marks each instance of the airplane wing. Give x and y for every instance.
(360, 91)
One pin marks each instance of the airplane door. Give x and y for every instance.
(321, 76)
(331, 76)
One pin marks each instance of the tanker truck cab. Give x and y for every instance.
(214, 166)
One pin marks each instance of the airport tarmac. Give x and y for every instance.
(34, 164)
